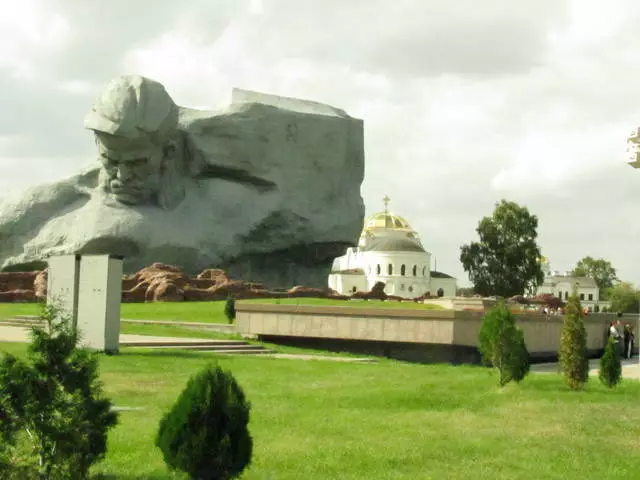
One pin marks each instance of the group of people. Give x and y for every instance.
(624, 337)
(551, 311)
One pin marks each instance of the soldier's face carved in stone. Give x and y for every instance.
(133, 170)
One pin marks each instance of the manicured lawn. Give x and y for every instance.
(8, 310)
(175, 331)
(390, 420)
(207, 312)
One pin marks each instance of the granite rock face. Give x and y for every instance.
(167, 283)
(267, 189)
(376, 293)
(18, 287)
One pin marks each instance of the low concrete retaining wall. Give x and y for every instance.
(433, 335)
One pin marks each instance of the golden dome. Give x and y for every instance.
(386, 220)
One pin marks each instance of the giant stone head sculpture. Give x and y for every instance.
(135, 125)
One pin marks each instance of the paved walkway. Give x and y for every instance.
(21, 334)
(630, 368)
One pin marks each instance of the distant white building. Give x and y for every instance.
(389, 251)
(561, 286)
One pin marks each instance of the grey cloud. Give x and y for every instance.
(104, 31)
(50, 120)
(407, 37)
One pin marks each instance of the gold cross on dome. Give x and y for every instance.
(386, 201)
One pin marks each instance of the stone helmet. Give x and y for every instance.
(134, 107)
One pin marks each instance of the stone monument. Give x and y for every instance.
(267, 188)
(88, 289)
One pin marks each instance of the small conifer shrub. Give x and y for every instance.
(230, 309)
(205, 433)
(610, 367)
(502, 344)
(51, 406)
(574, 362)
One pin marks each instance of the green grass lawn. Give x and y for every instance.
(207, 312)
(390, 420)
(175, 331)
(8, 310)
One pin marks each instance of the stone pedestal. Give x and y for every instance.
(89, 288)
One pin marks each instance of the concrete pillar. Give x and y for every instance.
(88, 288)
(62, 285)
(99, 298)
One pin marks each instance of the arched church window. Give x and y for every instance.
(440, 292)
(378, 269)
(353, 289)
(415, 270)
(403, 270)
(424, 271)
(390, 269)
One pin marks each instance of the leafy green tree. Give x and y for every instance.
(505, 262)
(230, 309)
(600, 270)
(623, 297)
(52, 402)
(574, 362)
(502, 344)
(205, 433)
(610, 366)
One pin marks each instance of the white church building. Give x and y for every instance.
(389, 251)
(561, 285)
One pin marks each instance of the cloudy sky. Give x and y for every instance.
(464, 102)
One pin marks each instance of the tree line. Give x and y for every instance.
(506, 261)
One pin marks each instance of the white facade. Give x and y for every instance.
(389, 251)
(562, 286)
(444, 282)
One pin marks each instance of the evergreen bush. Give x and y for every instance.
(610, 366)
(7, 437)
(205, 433)
(520, 357)
(502, 344)
(51, 405)
(574, 362)
(230, 309)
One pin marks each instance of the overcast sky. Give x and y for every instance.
(464, 102)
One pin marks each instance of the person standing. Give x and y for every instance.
(627, 340)
(614, 331)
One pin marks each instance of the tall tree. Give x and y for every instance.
(505, 262)
(600, 270)
(623, 297)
